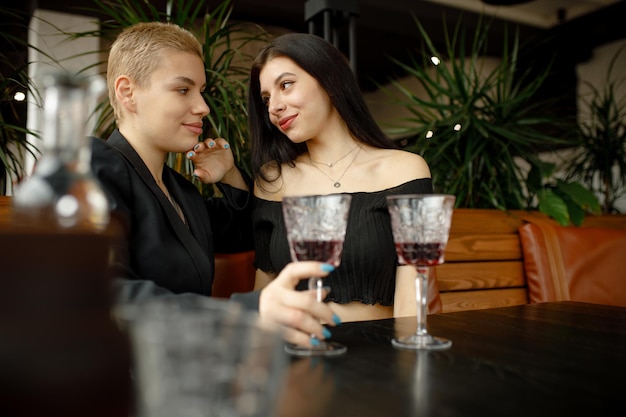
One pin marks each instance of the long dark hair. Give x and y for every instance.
(330, 68)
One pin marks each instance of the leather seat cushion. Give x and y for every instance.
(574, 263)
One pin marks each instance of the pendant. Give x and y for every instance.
(337, 184)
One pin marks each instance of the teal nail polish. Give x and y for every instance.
(190, 154)
(211, 144)
(227, 146)
(327, 334)
(315, 341)
(336, 319)
(195, 148)
(327, 268)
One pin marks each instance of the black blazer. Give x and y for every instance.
(158, 245)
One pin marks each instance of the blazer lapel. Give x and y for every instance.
(182, 231)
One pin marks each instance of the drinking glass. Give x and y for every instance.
(198, 356)
(421, 226)
(316, 227)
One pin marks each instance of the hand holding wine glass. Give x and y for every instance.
(316, 227)
(421, 226)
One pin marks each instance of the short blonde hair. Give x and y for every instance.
(138, 51)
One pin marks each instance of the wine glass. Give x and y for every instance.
(316, 227)
(421, 226)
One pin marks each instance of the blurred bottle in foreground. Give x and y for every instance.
(61, 353)
(62, 192)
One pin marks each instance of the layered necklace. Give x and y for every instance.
(330, 164)
(336, 182)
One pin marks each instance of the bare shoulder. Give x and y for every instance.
(410, 164)
(386, 168)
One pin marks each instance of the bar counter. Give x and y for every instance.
(548, 359)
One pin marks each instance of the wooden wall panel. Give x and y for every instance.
(5, 209)
(483, 221)
(480, 275)
(483, 247)
(482, 299)
(484, 262)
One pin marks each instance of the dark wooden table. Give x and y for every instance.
(552, 359)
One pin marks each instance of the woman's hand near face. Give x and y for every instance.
(214, 162)
(298, 312)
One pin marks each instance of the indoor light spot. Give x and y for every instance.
(67, 211)
(19, 96)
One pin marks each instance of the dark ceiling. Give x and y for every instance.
(386, 28)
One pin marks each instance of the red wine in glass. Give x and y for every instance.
(316, 228)
(421, 254)
(421, 226)
(328, 251)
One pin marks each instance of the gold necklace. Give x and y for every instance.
(330, 164)
(336, 182)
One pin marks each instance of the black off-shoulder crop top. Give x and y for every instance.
(368, 264)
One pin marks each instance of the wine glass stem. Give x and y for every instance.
(421, 295)
(317, 284)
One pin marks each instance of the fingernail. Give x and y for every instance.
(211, 144)
(227, 146)
(327, 268)
(315, 341)
(336, 319)
(326, 333)
(190, 154)
(195, 148)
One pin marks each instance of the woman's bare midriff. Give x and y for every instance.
(357, 311)
(353, 311)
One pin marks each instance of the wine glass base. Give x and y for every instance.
(421, 342)
(325, 348)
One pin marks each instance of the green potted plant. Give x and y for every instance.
(567, 202)
(14, 145)
(600, 160)
(474, 124)
(227, 75)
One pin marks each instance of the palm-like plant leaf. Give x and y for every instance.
(14, 143)
(600, 162)
(480, 120)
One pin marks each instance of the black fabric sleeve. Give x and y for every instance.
(266, 216)
(127, 291)
(134, 290)
(249, 300)
(231, 220)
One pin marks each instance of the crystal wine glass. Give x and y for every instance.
(316, 227)
(421, 226)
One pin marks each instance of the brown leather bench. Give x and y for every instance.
(490, 264)
(576, 263)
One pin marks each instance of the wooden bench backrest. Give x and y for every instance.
(484, 265)
(484, 260)
(5, 209)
